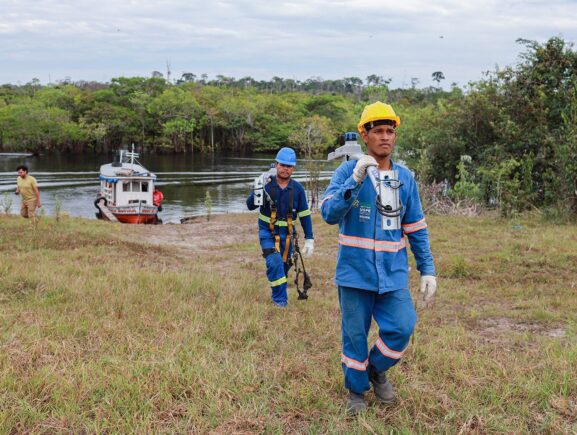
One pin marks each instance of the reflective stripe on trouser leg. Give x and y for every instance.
(276, 277)
(275, 268)
(396, 317)
(356, 308)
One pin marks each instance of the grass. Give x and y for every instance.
(101, 334)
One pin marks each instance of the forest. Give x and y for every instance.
(508, 140)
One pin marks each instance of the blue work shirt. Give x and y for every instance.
(298, 208)
(371, 258)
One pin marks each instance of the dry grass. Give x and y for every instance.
(175, 333)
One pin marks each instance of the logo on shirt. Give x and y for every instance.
(364, 212)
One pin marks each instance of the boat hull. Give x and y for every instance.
(135, 215)
(136, 219)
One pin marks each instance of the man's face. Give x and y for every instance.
(284, 172)
(22, 173)
(380, 140)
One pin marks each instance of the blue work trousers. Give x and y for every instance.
(395, 316)
(276, 269)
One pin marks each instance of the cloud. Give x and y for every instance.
(98, 40)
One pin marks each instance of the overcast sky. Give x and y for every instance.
(54, 40)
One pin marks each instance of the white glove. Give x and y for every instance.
(428, 287)
(308, 248)
(360, 171)
(266, 176)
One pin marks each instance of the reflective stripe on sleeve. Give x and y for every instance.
(354, 364)
(386, 351)
(278, 281)
(371, 244)
(415, 226)
(304, 213)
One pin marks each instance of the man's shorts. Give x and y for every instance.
(28, 208)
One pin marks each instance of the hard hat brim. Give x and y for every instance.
(285, 162)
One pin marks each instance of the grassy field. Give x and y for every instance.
(101, 333)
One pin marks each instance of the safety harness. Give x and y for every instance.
(300, 269)
(289, 218)
(297, 258)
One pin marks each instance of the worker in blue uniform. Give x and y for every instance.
(286, 199)
(372, 272)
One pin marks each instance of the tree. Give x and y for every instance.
(139, 101)
(314, 138)
(353, 85)
(437, 77)
(177, 111)
(237, 115)
(33, 127)
(186, 78)
(110, 125)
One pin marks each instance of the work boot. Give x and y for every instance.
(356, 403)
(382, 387)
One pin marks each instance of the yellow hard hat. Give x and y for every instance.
(377, 112)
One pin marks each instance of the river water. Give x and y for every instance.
(71, 181)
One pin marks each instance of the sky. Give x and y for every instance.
(87, 40)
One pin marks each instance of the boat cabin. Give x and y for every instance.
(124, 182)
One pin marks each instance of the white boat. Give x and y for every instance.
(126, 189)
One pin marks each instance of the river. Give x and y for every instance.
(70, 182)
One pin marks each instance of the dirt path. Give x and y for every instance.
(198, 235)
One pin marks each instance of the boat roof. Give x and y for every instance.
(127, 170)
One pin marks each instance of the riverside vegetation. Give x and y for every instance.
(515, 130)
(175, 333)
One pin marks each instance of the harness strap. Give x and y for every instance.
(289, 219)
(300, 270)
(273, 218)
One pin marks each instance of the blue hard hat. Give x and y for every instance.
(287, 156)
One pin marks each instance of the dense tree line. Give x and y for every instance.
(508, 140)
(190, 115)
(153, 114)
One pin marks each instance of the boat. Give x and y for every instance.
(126, 189)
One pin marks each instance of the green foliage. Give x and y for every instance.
(314, 137)
(6, 202)
(208, 205)
(502, 184)
(376, 93)
(279, 119)
(34, 127)
(465, 188)
(110, 125)
(457, 267)
(329, 107)
(64, 97)
(58, 210)
(519, 127)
